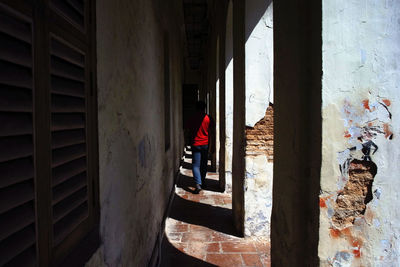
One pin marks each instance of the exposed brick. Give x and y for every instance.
(260, 138)
(352, 200)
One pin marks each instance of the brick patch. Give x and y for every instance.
(260, 138)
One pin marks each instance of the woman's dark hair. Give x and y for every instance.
(201, 105)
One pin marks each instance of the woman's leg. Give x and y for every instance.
(203, 163)
(196, 161)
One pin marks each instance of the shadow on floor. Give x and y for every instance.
(187, 165)
(215, 218)
(188, 156)
(187, 183)
(173, 257)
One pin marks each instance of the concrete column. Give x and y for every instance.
(259, 117)
(297, 132)
(253, 116)
(228, 69)
(212, 77)
(222, 100)
(217, 115)
(239, 117)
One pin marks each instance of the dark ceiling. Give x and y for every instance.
(196, 24)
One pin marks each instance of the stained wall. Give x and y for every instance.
(136, 170)
(359, 215)
(259, 117)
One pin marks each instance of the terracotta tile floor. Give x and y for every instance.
(200, 232)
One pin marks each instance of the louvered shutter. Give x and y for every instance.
(17, 181)
(71, 122)
(69, 163)
(48, 131)
(72, 10)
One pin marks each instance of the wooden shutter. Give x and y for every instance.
(72, 122)
(17, 181)
(68, 125)
(73, 11)
(48, 131)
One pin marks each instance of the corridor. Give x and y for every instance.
(94, 96)
(199, 229)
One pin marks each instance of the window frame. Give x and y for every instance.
(81, 243)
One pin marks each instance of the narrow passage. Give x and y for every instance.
(199, 229)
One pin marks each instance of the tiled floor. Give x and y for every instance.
(200, 232)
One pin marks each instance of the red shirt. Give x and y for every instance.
(199, 126)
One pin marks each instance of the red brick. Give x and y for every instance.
(199, 228)
(180, 228)
(197, 198)
(227, 200)
(262, 246)
(225, 260)
(238, 247)
(197, 249)
(217, 236)
(252, 260)
(197, 236)
(219, 200)
(213, 247)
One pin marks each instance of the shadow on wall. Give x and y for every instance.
(257, 9)
(173, 256)
(215, 218)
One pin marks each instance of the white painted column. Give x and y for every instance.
(259, 95)
(229, 97)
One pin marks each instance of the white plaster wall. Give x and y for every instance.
(259, 59)
(258, 196)
(229, 97)
(259, 94)
(361, 61)
(136, 173)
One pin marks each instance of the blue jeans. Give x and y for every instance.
(199, 163)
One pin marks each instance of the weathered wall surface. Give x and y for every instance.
(136, 173)
(259, 117)
(259, 174)
(260, 138)
(229, 96)
(359, 216)
(259, 59)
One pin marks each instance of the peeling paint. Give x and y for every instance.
(360, 92)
